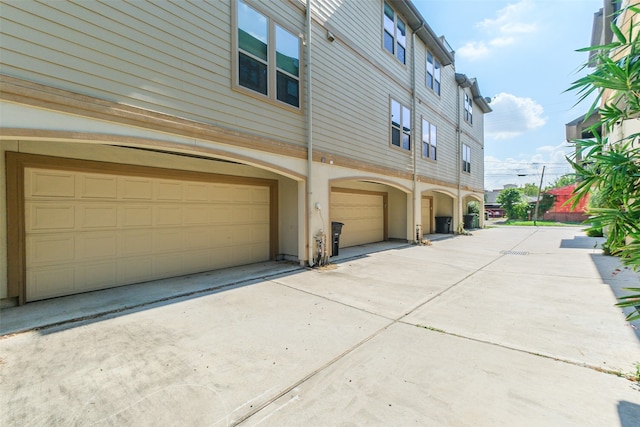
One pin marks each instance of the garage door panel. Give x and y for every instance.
(426, 215)
(167, 215)
(196, 261)
(198, 237)
(220, 193)
(222, 236)
(135, 242)
(43, 249)
(50, 216)
(221, 214)
(260, 195)
(135, 269)
(136, 188)
(242, 194)
(260, 214)
(91, 216)
(169, 190)
(50, 281)
(196, 215)
(99, 230)
(135, 216)
(168, 240)
(98, 187)
(96, 275)
(195, 192)
(96, 245)
(46, 183)
(169, 265)
(242, 213)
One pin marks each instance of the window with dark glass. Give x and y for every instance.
(400, 125)
(433, 73)
(287, 66)
(466, 158)
(468, 108)
(429, 140)
(257, 40)
(394, 33)
(253, 47)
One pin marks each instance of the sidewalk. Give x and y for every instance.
(509, 326)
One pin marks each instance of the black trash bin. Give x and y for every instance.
(443, 224)
(469, 221)
(336, 230)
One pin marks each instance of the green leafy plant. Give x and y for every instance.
(509, 199)
(473, 207)
(609, 163)
(632, 301)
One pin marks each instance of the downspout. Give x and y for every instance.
(459, 155)
(309, 124)
(416, 141)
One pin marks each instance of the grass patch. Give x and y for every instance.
(542, 223)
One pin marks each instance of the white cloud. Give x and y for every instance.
(502, 42)
(473, 51)
(510, 19)
(512, 116)
(503, 30)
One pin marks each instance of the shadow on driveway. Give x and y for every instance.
(614, 274)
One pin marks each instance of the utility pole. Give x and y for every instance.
(535, 214)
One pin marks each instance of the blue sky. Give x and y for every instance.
(523, 54)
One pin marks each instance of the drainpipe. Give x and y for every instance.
(463, 82)
(310, 239)
(458, 149)
(418, 230)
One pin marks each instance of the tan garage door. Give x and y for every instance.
(427, 214)
(362, 215)
(87, 231)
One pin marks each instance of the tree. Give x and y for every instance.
(509, 199)
(530, 190)
(563, 181)
(546, 202)
(611, 165)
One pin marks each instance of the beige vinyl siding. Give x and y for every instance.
(352, 107)
(360, 22)
(475, 179)
(473, 135)
(172, 57)
(441, 111)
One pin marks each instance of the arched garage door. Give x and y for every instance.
(362, 213)
(87, 229)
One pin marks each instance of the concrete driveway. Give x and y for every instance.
(510, 326)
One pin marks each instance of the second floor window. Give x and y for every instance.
(468, 108)
(466, 158)
(395, 34)
(429, 140)
(400, 125)
(433, 73)
(259, 39)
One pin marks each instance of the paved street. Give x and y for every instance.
(509, 326)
